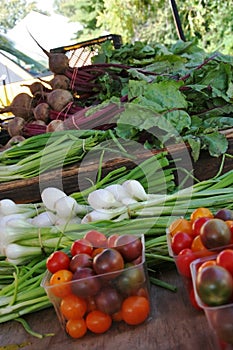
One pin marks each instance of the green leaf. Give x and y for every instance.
(195, 145)
(216, 143)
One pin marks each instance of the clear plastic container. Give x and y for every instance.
(121, 285)
(220, 318)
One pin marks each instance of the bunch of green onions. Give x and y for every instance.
(150, 217)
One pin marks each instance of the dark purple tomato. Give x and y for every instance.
(129, 246)
(224, 214)
(130, 280)
(214, 285)
(80, 260)
(108, 260)
(85, 283)
(108, 300)
(215, 233)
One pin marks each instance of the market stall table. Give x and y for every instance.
(174, 325)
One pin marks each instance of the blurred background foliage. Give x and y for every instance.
(210, 22)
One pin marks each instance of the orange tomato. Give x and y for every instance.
(76, 328)
(207, 263)
(201, 212)
(135, 309)
(58, 282)
(73, 307)
(199, 248)
(180, 224)
(117, 316)
(98, 321)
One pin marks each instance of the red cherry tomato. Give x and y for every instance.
(183, 261)
(97, 239)
(225, 259)
(180, 241)
(58, 261)
(81, 245)
(197, 224)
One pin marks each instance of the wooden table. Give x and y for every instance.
(174, 325)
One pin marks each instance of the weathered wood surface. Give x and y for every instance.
(73, 178)
(174, 325)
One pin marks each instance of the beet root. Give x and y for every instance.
(60, 81)
(58, 99)
(15, 126)
(41, 112)
(21, 106)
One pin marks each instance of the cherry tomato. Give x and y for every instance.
(215, 233)
(58, 261)
(112, 239)
(224, 214)
(230, 225)
(197, 224)
(108, 300)
(135, 309)
(117, 316)
(129, 246)
(85, 283)
(207, 263)
(180, 241)
(73, 307)
(201, 212)
(130, 280)
(96, 251)
(199, 249)
(80, 260)
(59, 284)
(180, 224)
(225, 259)
(97, 239)
(76, 328)
(214, 285)
(183, 261)
(109, 260)
(81, 246)
(98, 321)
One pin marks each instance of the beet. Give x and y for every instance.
(21, 106)
(36, 88)
(15, 126)
(60, 81)
(58, 99)
(55, 125)
(41, 112)
(58, 62)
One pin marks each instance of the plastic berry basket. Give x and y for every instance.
(219, 318)
(125, 285)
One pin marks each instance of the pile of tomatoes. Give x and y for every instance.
(203, 234)
(100, 280)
